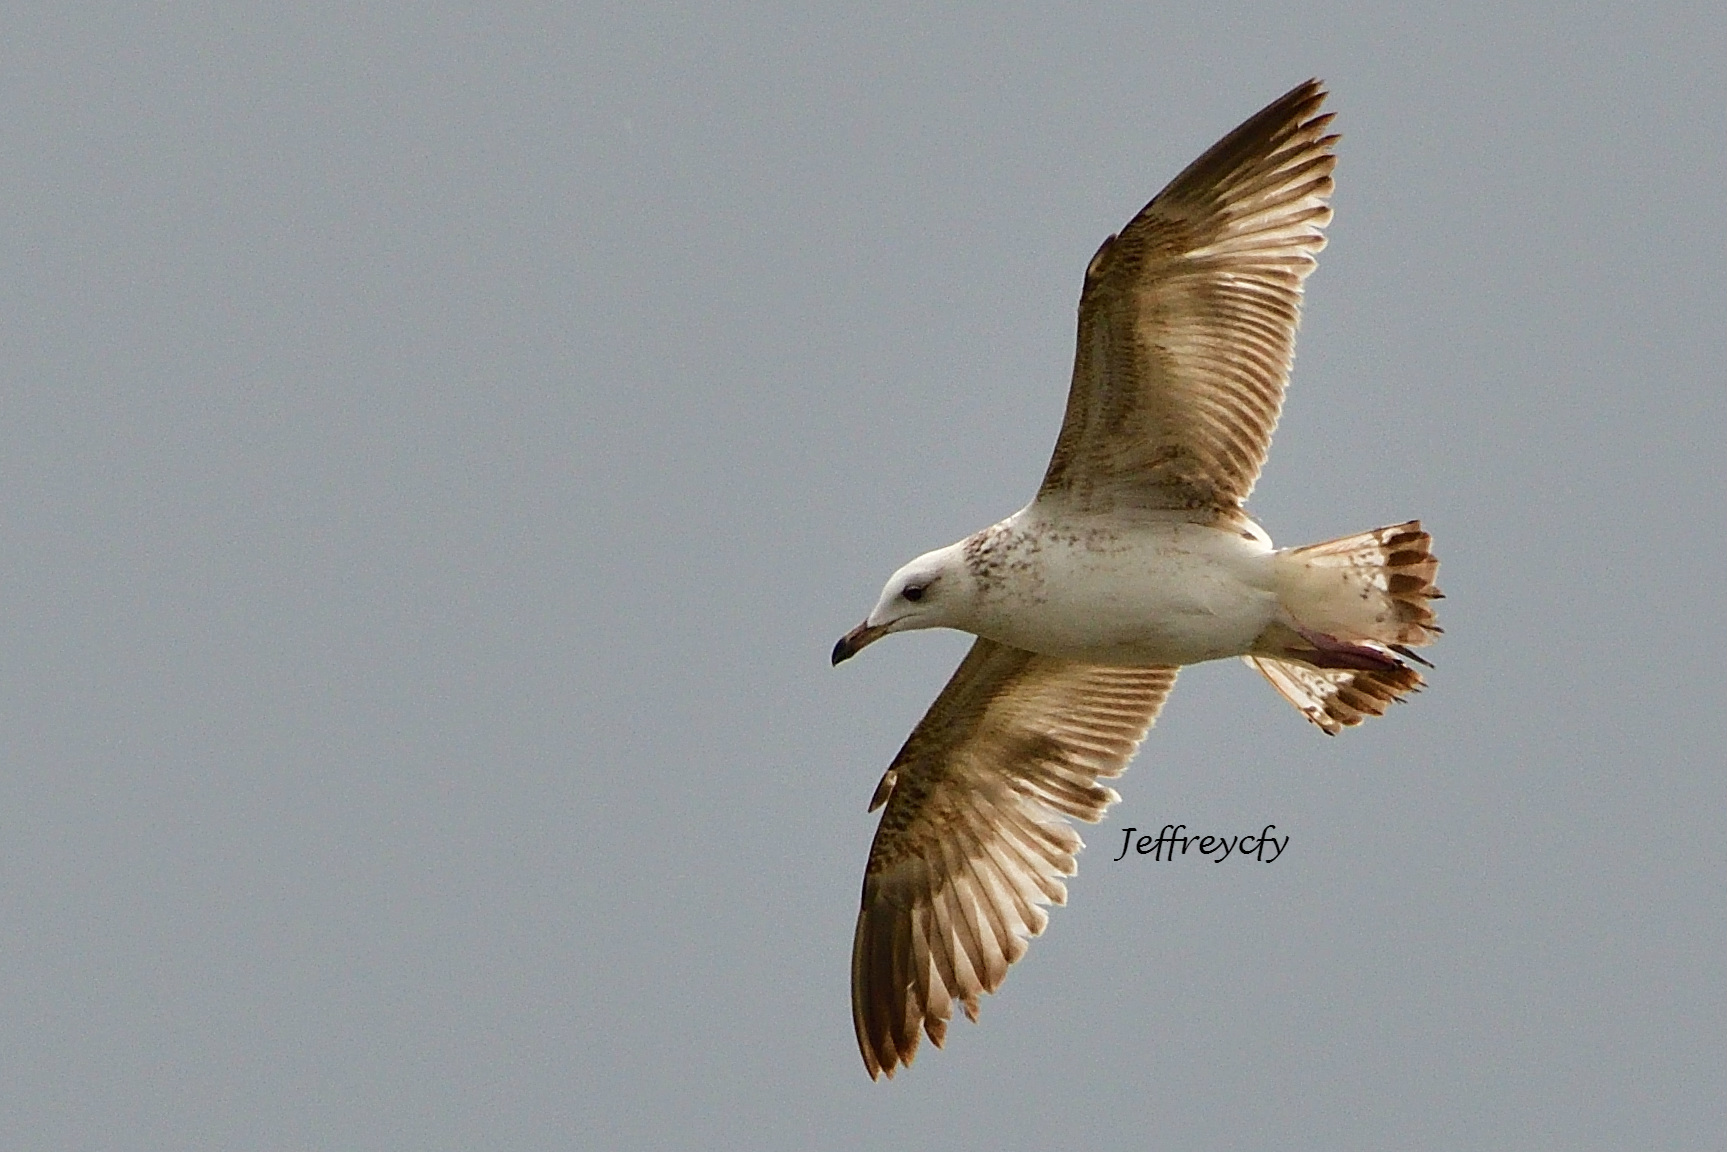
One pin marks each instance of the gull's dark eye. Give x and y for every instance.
(912, 592)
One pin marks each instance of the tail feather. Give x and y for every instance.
(1334, 698)
(1374, 587)
(1355, 605)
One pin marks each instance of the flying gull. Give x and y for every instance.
(1135, 557)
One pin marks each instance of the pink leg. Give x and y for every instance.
(1330, 652)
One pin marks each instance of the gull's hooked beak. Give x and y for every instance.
(855, 641)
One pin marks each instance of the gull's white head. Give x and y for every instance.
(933, 591)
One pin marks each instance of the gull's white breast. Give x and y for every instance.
(1155, 591)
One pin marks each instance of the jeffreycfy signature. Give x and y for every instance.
(1172, 842)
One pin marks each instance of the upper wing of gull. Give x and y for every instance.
(973, 840)
(1187, 322)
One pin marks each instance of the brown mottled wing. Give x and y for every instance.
(1187, 322)
(973, 840)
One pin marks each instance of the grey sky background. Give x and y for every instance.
(439, 446)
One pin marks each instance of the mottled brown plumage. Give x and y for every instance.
(1187, 322)
(973, 841)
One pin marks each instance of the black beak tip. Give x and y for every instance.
(843, 650)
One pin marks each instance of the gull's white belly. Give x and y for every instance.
(1165, 594)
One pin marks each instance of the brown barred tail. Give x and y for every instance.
(1375, 587)
(1333, 698)
(1367, 596)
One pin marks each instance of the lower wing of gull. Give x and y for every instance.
(974, 840)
